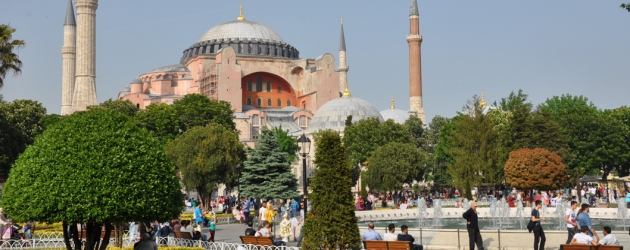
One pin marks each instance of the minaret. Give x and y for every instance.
(343, 68)
(85, 82)
(415, 63)
(68, 53)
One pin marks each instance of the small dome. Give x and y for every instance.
(126, 89)
(136, 81)
(399, 116)
(241, 29)
(334, 113)
(171, 68)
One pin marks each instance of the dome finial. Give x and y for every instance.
(346, 93)
(392, 107)
(483, 100)
(240, 16)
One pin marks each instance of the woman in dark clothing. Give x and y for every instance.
(145, 243)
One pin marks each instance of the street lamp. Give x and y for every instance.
(238, 168)
(305, 146)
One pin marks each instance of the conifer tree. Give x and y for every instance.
(267, 170)
(331, 222)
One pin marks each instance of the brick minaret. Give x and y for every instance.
(415, 63)
(343, 68)
(85, 82)
(68, 53)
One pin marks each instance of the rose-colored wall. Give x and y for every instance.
(285, 94)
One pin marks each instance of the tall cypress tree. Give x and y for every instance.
(331, 223)
(267, 170)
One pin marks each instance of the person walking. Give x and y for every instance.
(539, 233)
(213, 226)
(585, 220)
(474, 236)
(569, 218)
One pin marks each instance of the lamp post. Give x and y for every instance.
(305, 145)
(238, 168)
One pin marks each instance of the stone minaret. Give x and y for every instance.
(343, 68)
(68, 53)
(415, 63)
(85, 82)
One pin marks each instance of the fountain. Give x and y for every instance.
(437, 213)
(622, 211)
(466, 204)
(561, 208)
(422, 209)
(543, 209)
(520, 212)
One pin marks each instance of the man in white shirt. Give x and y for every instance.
(261, 213)
(390, 235)
(569, 218)
(609, 239)
(582, 238)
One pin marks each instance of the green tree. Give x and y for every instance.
(514, 101)
(206, 157)
(595, 140)
(364, 137)
(267, 170)
(435, 165)
(535, 169)
(331, 225)
(416, 130)
(623, 115)
(625, 6)
(288, 144)
(161, 120)
(393, 165)
(198, 110)
(473, 148)
(9, 60)
(23, 120)
(95, 167)
(125, 107)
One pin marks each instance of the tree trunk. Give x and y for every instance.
(66, 236)
(108, 232)
(119, 235)
(76, 239)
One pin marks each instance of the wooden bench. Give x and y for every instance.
(387, 245)
(259, 241)
(587, 247)
(183, 235)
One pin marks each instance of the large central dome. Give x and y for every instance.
(241, 29)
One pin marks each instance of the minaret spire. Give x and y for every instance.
(343, 68)
(414, 39)
(68, 55)
(483, 100)
(393, 106)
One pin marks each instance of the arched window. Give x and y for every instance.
(259, 102)
(289, 102)
(249, 101)
(268, 87)
(279, 89)
(303, 104)
(269, 101)
(259, 87)
(137, 105)
(279, 102)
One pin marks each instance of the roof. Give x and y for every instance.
(241, 29)
(70, 20)
(171, 68)
(399, 116)
(333, 114)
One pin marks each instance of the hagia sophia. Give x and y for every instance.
(248, 65)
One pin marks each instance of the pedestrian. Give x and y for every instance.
(261, 213)
(213, 226)
(269, 214)
(474, 236)
(569, 218)
(539, 233)
(285, 228)
(585, 220)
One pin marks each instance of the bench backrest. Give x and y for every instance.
(253, 240)
(587, 247)
(183, 235)
(262, 241)
(375, 245)
(399, 245)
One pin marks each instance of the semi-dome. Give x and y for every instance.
(242, 30)
(334, 113)
(399, 116)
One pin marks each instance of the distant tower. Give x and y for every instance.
(68, 53)
(415, 63)
(85, 82)
(343, 68)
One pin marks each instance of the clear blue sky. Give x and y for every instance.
(545, 48)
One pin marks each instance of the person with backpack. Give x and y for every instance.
(539, 233)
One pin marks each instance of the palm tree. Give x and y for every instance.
(9, 61)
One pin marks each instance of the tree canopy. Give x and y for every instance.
(331, 222)
(125, 107)
(436, 165)
(287, 143)
(535, 169)
(20, 122)
(206, 157)
(9, 60)
(267, 170)
(393, 165)
(198, 110)
(94, 166)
